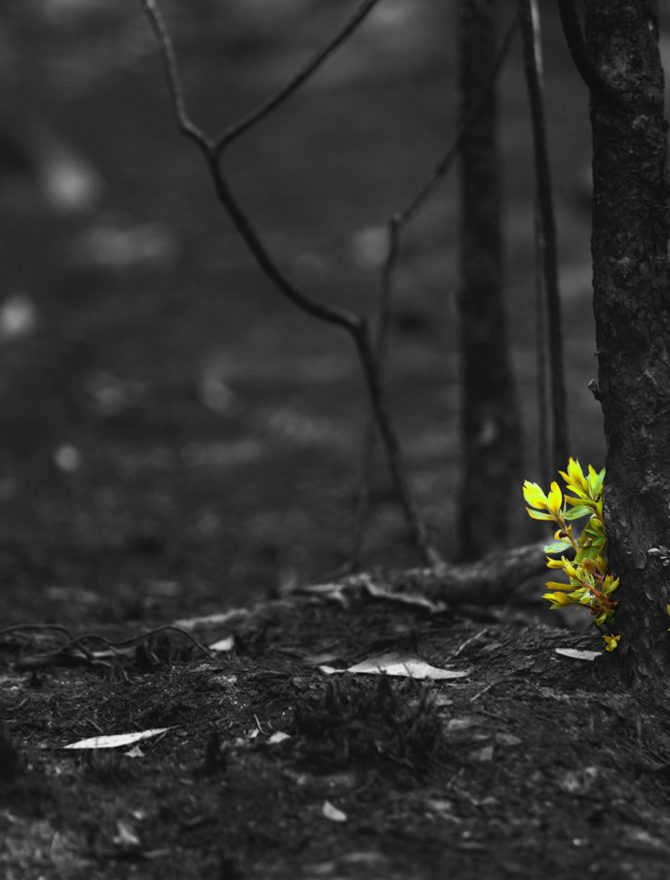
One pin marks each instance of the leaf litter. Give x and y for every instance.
(255, 742)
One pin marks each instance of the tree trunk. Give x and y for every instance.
(491, 446)
(632, 310)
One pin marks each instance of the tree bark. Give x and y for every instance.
(632, 310)
(491, 441)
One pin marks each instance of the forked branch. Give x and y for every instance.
(355, 325)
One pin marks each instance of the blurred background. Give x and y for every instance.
(176, 436)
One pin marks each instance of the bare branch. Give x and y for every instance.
(354, 324)
(210, 150)
(543, 414)
(169, 59)
(331, 314)
(529, 17)
(447, 160)
(297, 80)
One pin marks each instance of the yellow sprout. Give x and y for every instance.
(589, 585)
(612, 642)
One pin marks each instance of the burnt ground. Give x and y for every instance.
(177, 442)
(272, 768)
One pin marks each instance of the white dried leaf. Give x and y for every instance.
(135, 752)
(331, 812)
(223, 645)
(126, 837)
(278, 737)
(508, 739)
(117, 740)
(577, 654)
(399, 664)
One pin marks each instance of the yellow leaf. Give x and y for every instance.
(557, 563)
(555, 499)
(557, 585)
(534, 496)
(558, 600)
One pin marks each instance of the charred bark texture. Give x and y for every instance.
(632, 310)
(490, 423)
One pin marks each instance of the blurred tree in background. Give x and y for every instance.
(490, 425)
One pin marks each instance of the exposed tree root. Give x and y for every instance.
(486, 581)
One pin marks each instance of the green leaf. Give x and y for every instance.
(557, 547)
(578, 512)
(598, 485)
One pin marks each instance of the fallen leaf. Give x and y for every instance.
(508, 739)
(396, 663)
(331, 812)
(461, 723)
(482, 756)
(116, 741)
(577, 654)
(278, 737)
(336, 592)
(126, 837)
(378, 591)
(442, 808)
(135, 752)
(366, 859)
(223, 645)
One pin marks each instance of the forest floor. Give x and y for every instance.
(178, 442)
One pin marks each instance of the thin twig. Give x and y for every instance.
(529, 18)
(447, 160)
(124, 644)
(354, 324)
(395, 226)
(543, 415)
(297, 80)
(171, 69)
(76, 650)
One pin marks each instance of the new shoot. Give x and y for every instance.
(590, 584)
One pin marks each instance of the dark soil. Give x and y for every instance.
(178, 441)
(525, 767)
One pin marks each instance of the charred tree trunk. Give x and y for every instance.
(491, 447)
(632, 310)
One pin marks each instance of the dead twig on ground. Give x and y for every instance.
(76, 650)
